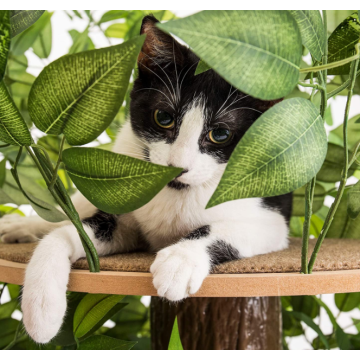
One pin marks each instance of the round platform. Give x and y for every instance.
(337, 270)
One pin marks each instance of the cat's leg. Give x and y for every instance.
(179, 270)
(18, 229)
(46, 278)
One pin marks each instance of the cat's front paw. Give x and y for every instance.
(179, 270)
(43, 311)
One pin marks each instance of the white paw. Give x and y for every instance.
(18, 229)
(44, 294)
(179, 270)
(43, 307)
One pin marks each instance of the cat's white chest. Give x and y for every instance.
(171, 215)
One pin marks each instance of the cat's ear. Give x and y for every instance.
(159, 47)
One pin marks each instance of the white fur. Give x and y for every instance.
(181, 265)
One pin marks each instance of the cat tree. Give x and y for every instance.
(228, 297)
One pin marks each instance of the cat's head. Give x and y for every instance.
(183, 120)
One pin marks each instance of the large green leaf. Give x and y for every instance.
(26, 39)
(342, 43)
(113, 15)
(102, 342)
(80, 94)
(4, 40)
(333, 165)
(343, 227)
(257, 51)
(280, 152)
(202, 66)
(312, 31)
(353, 195)
(298, 208)
(91, 309)
(13, 129)
(7, 331)
(22, 19)
(175, 341)
(42, 44)
(115, 183)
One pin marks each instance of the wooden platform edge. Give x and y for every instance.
(219, 285)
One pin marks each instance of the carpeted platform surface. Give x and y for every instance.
(334, 254)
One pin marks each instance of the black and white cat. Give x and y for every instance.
(177, 119)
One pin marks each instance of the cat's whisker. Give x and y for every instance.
(234, 102)
(228, 97)
(177, 78)
(248, 108)
(186, 74)
(161, 68)
(172, 95)
(169, 103)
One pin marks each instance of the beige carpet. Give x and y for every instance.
(334, 255)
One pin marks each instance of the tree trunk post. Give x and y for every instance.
(252, 323)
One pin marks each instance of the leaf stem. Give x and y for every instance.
(62, 198)
(341, 87)
(55, 174)
(335, 204)
(335, 63)
(2, 290)
(314, 86)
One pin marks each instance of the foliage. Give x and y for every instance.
(255, 56)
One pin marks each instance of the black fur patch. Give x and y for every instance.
(177, 185)
(199, 233)
(220, 252)
(103, 225)
(281, 203)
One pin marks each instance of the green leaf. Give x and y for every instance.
(347, 302)
(27, 38)
(298, 208)
(353, 205)
(102, 342)
(341, 338)
(13, 129)
(8, 308)
(353, 132)
(117, 30)
(2, 172)
(333, 165)
(4, 40)
(343, 227)
(257, 51)
(43, 209)
(335, 17)
(202, 66)
(113, 15)
(23, 19)
(284, 149)
(81, 41)
(91, 310)
(175, 341)
(312, 31)
(65, 336)
(309, 322)
(80, 94)
(306, 305)
(115, 183)
(42, 44)
(7, 331)
(341, 43)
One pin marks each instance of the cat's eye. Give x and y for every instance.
(220, 136)
(163, 119)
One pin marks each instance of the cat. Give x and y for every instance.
(176, 119)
